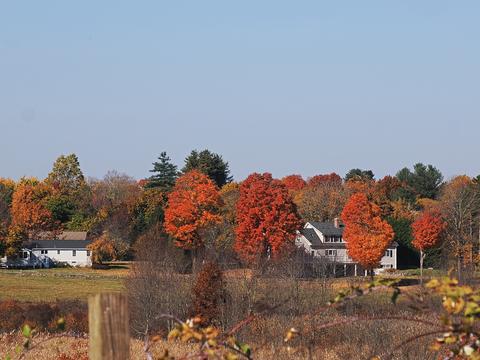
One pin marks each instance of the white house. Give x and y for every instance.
(70, 247)
(325, 240)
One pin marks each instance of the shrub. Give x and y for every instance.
(11, 315)
(208, 292)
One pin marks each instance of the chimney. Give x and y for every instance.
(336, 222)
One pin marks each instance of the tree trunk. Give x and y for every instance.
(422, 256)
(459, 268)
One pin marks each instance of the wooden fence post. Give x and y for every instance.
(108, 327)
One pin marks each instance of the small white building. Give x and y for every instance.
(325, 240)
(69, 247)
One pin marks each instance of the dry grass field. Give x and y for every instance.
(300, 299)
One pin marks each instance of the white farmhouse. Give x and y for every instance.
(325, 240)
(70, 247)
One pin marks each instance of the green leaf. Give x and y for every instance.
(27, 331)
(245, 348)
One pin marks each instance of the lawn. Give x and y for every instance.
(60, 283)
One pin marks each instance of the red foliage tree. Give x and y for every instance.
(267, 218)
(294, 182)
(366, 234)
(192, 206)
(332, 178)
(427, 233)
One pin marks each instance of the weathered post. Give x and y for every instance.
(108, 327)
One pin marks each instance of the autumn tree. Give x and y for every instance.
(210, 164)
(427, 232)
(70, 194)
(294, 182)
(149, 209)
(321, 201)
(7, 188)
(367, 236)
(192, 207)
(29, 207)
(208, 294)
(384, 192)
(66, 175)
(220, 236)
(332, 178)
(267, 219)
(14, 240)
(459, 204)
(165, 174)
(114, 199)
(103, 249)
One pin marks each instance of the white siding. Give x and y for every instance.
(67, 256)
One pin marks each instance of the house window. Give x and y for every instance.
(74, 252)
(327, 238)
(389, 253)
(58, 252)
(331, 252)
(25, 255)
(88, 252)
(43, 251)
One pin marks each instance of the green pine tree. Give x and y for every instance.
(210, 164)
(165, 174)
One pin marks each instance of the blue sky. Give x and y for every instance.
(281, 86)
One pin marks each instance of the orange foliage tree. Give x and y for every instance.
(427, 233)
(103, 249)
(294, 182)
(29, 209)
(192, 206)
(366, 234)
(384, 192)
(267, 218)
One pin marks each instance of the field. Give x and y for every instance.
(299, 299)
(62, 283)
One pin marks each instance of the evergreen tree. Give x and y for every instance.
(424, 181)
(358, 174)
(165, 174)
(406, 253)
(210, 164)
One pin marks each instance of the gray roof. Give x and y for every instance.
(311, 236)
(327, 228)
(58, 244)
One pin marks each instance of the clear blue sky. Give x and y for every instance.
(282, 86)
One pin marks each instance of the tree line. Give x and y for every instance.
(200, 208)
